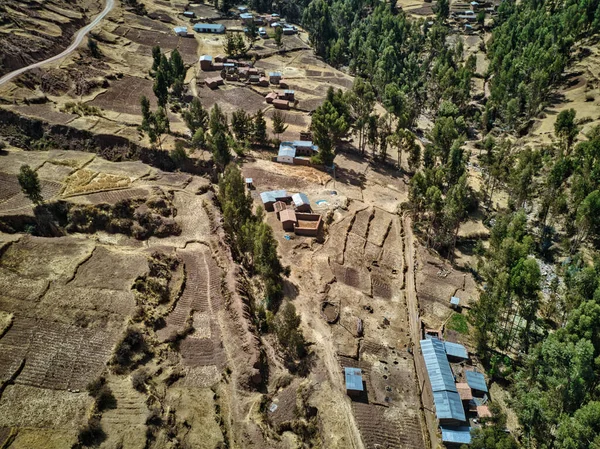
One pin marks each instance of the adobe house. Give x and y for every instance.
(270, 97)
(288, 219)
(281, 104)
(287, 95)
(301, 202)
(213, 83)
(283, 84)
(263, 82)
(271, 197)
(206, 63)
(275, 77)
(181, 31)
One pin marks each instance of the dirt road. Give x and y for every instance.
(78, 39)
(415, 332)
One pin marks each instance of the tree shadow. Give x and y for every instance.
(290, 290)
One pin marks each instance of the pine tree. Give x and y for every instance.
(196, 116)
(177, 67)
(279, 125)
(241, 125)
(161, 88)
(259, 132)
(156, 54)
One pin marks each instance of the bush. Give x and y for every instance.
(130, 350)
(139, 379)
(106, 399)
(91, 434)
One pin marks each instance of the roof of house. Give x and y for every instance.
(216, 79)
(287, 215)
(483, 411)
(476, 381)
(353, 379)
(206, 58)
(189, 13)
(273, 195)
(454, 300)
(289, 91)
(448, 405)
(456, 435)
(209, 26)
(279, 101)
(248, 180)
(180, 30)
(272, 95)
(246, 15)
(456, 350)
(464, 391)
(300, 199)
(285, 150)
(438, 368)
(274, 73)
(242, 8)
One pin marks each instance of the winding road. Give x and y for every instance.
(78, 39)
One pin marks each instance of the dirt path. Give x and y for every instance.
(415, 331)
(78, 39)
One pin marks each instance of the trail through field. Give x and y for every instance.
(78, 39)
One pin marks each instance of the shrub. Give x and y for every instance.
(105, 399)
(139, 379)
(91, 434)
(130, 350)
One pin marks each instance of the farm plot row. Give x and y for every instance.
(18, 201)
(57, 356)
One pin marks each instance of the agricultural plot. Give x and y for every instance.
(111, 197)
(9, 186)
(124, 94)
(231, 99)
(57, 356)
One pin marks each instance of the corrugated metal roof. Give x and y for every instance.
(287, 151)
(353, 379)
(246, 15)
(209, 26)
(248, 180)
(206, 58)
(180, 30)
(454, 300)
(273, 195)
(448, 405)
(456, 435)
(476, 381)
(274, 73)
(456, 350)
(300, 199)
(438, 368)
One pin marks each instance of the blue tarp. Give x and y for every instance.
(476, 381)
(353, 379)
(456, 435)
(456, 350)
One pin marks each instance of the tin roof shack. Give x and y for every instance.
(271, 197)
(477, 383)
(301, 202)
(242, 9)
(215, 28)
(288, 30)
(213, 83)
(206, 63)
(287, 95)
(455, 302)
(448, 405)
(305, 148)
(308, 225)
(354, 382)
(281, 104)
(275, 77)
(254, 79)
(189, 14)
(456, 436)
(286, 154)
(181, 31)
(456, 352)
(246, 18)
(288, 219)
(249, 183)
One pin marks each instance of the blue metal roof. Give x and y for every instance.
(476, 381)
(248, 180)
(180, 29)
(448, 405)
(246, 15)
(456, 350)
(438, 368)
(300, 199)
(288, 91)
(454, 300)
(353, 379)
(206, 58)
(285, 150)
(273, 195)
(274, 73)
(456, 435)
(209, 26)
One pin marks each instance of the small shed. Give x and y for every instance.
(456, 436)
(215, 28)
(254, 79)
(455, 352)
(476, 382)
(288, 219)
(281, 104)
(354, 381)
(189, 14)
(275, 77)
(474, 6)
(287, 30)
(283, 84)
(206, 62)
(181, 31)
(286, 154)
(263, 82)
(287, 94)
(301, 202)
(242, 9)
(454, 302)
(249, 183)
